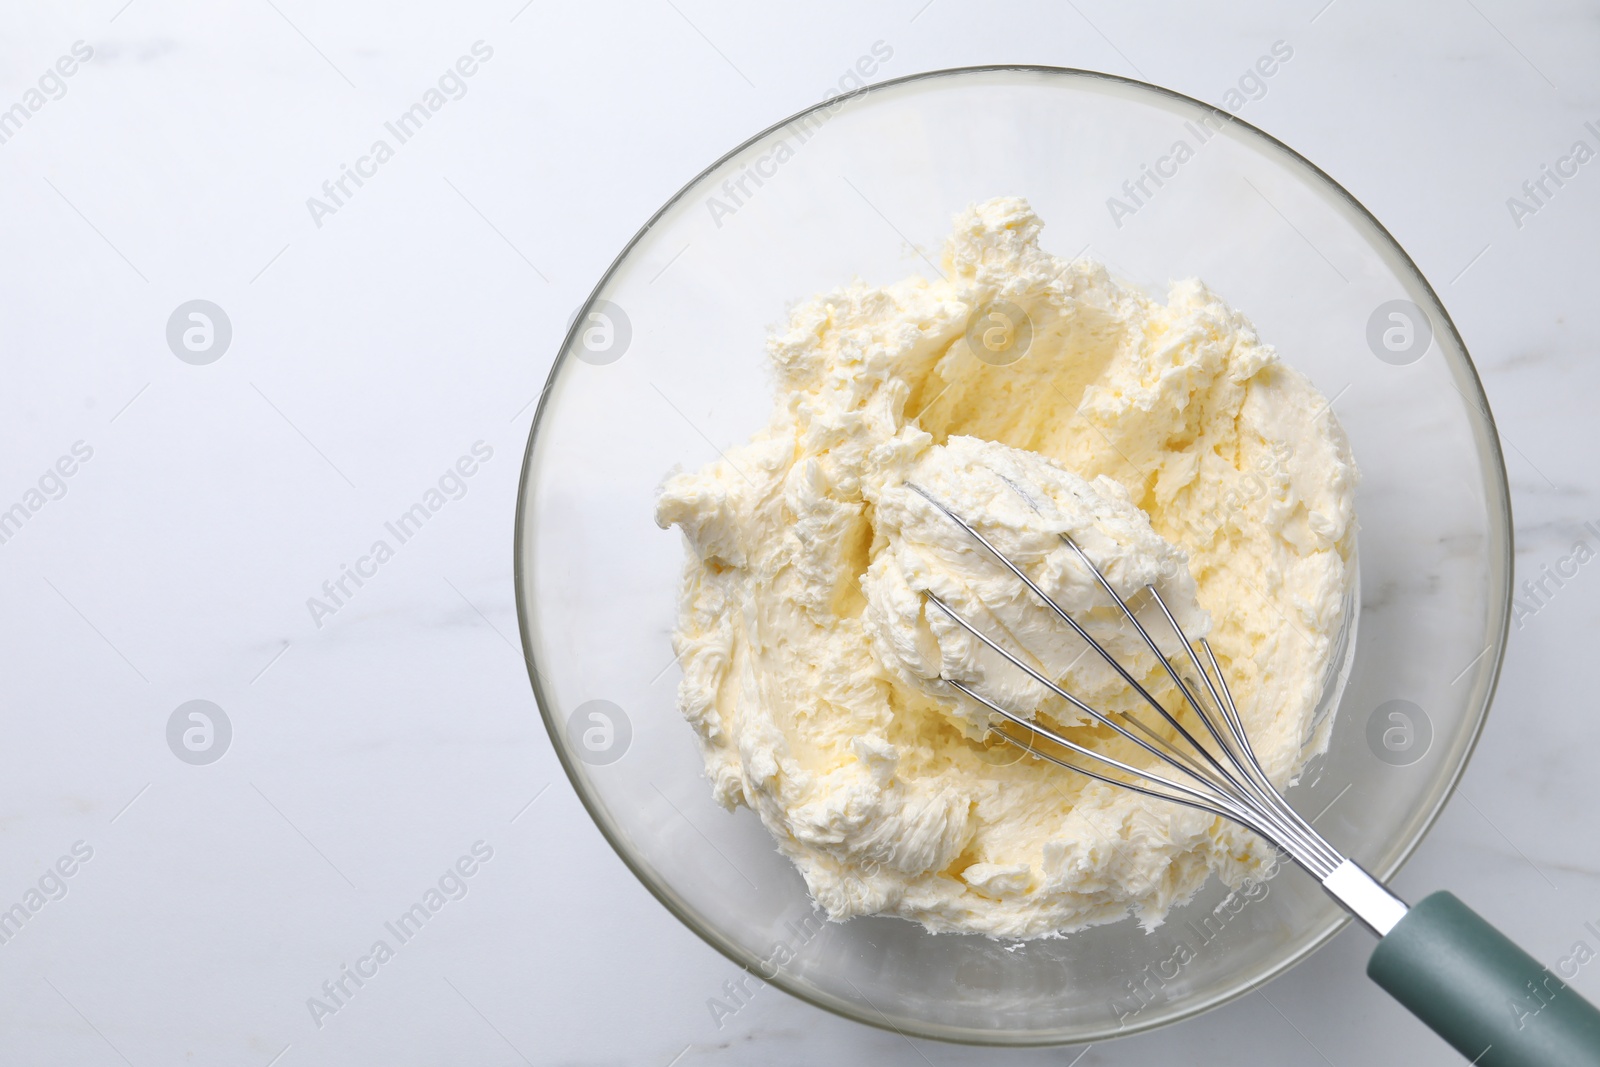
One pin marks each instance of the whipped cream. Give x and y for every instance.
(1166, 439)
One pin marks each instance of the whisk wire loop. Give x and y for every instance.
(1228, 782)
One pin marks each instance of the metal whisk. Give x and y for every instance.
(1448, 966)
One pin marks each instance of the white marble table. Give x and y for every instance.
(377, 339)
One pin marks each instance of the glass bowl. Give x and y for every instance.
(665, 366)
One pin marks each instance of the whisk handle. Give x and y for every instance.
(1475, 988)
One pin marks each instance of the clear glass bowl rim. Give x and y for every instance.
(1498, 505)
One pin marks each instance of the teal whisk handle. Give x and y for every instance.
(1467, 981)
